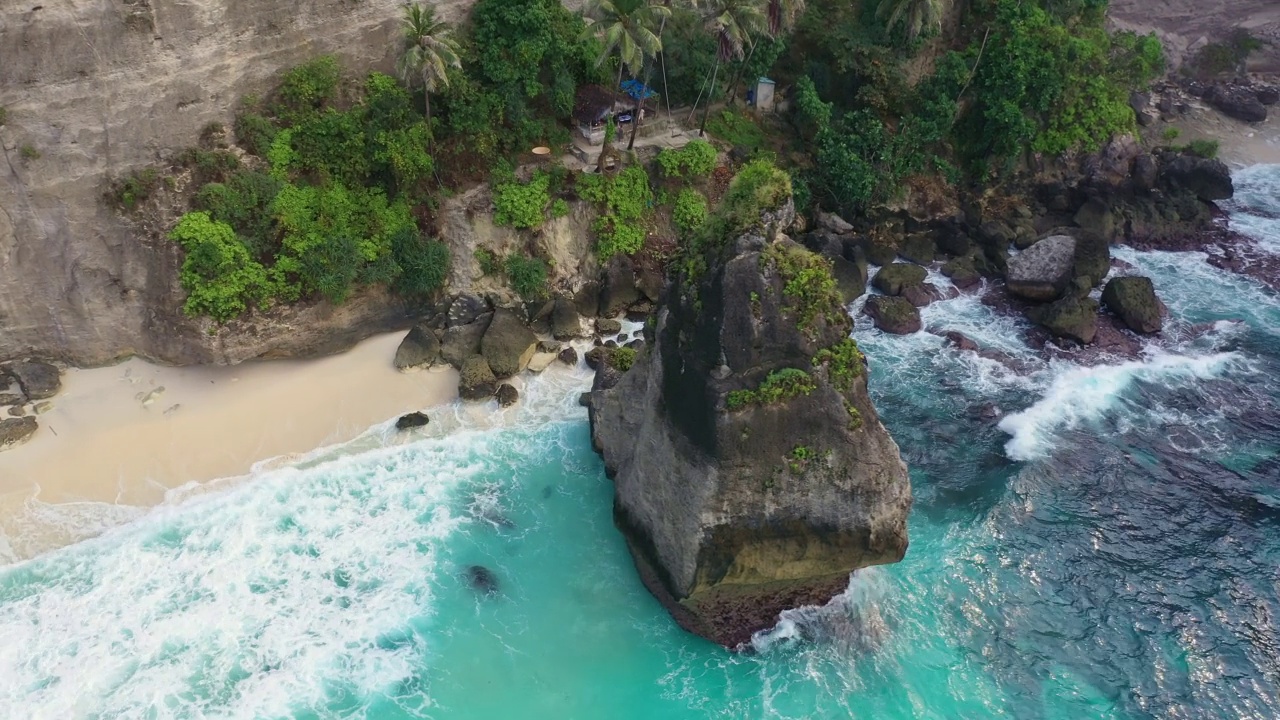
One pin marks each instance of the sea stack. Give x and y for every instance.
(751, 470)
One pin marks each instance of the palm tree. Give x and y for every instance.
(782, 15)
(917, 16)
(429, 52)
(733, 23)
(626, 27)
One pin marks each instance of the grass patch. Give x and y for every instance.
(779, 386)
(736, 129)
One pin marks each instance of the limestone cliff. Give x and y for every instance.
(752, 473)
(96, 88)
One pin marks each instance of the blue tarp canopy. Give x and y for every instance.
(637, 90)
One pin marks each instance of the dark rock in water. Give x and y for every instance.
(507, 344)
(465, 309)
(1134, 299)
(462, 341)
(996, 233)
(482, 580)
(918, 248)
(851, 278)
(587, 300)
(619, 290)
(38, 380)
(962, 273)
(546, 492)
(11, 398)
(550, 346)
(17, 411)
(476, 380)
(585, 399)
(566, 321)
(749, 480)
(1209, 180)
(1237, 101)
(961, 341)
(507, 395)
(896, 277)
(605, 326)
(420, 348)
(597, 355)
(882, 249)
(568, 356)
(412, 420)
(1091, 261)
(893, 314)
(15, 431)
(924, 294)
(1071, 317)
(990, 411)
(1044, 270)
(1267, 95)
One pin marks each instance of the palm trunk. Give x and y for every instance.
(426, 102)
(733, 86)
(702, 129)
(635, 117)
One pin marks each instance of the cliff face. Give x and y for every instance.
(96, 88)
(752, 473)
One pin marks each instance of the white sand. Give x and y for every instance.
(102, 443)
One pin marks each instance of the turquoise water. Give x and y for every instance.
(1107, 549)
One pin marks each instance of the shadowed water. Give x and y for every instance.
(1107, 548)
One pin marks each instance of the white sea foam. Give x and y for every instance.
(1255, 208)
(1081, 395)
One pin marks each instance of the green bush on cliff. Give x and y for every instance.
(522, 205)
(244, 203)
(528, 276)
(844, 363)
(779, 386)
(690, 211)
(807, 281)
(697, 159)
(624, 201)
(423, 262)
(623, 358)
(307, 87)
(758, 187)
(221, 279)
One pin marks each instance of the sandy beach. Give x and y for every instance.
(126, 434)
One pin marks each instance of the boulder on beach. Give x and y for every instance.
(568, 356)
(1072, 317)
(896, 277)
(566, 321)
(476, 380)
(597, 356)
(619, 290)
(412, 420)
(462, 341)
(420, 348)
(507, 344)
(1238, 101)
(507, 395)
(15, 431)
(606, 326)
(1044, 270)
(894, 315)
(38, 380)
(1133, 299)
(465, 309)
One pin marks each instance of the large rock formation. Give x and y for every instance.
(1043, 271)
(751, 470)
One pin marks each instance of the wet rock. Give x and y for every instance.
(1071, 317)
(15, 431)
(550, 346)
(1237, 101)
(954, 241)
(962, 273)
(482, 580)
(895, 277)
(922, 295)
(996, 233)
(507, 395)
(541, 361)
(1133, 298)
(1209, 180)
(566, 321)
(918, 248)
(639, 311)
(476, 380)
(568, 356)
(584, 399)
(419, 348)
(38, 380)
(17, 411)
(11, 398)
(1044, 270)
(1146, 172)
(894, 315)
(1091, 261)
(587, 300)
(960, 341)
(462, 341)
(851, 278)
(412, 420)
(605, 326)
(597, 356)
(507, 344)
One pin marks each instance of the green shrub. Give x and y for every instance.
(307, 87)
(1226, 55)
(4, 115)
(244, 203)
(423, 262)
(626, 200)
(280, 156)
(29, 152)
(255, 133)
(1203, 148)
(528, 276)
(220, 277)
(489, 264)
(1170, 134)
(622, 358)
(807, 281)
(331, 144)
(133, 189)
(757, 188)
(690, 211)
(736, 129)
(844, 363)
(559, 208)
(209, 165)
(522, 205)
(696, 159)
(779, 386)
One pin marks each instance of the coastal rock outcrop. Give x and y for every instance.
(507, 344)
(892, 314)
(38, 380)
(894, 278)
(15, 431)
(1133, 298)
(1072, 317)
(476, 380)
(1042, 271)
(751, 470)
(420, 348)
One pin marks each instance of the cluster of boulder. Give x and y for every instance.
(488, 344)
(25, 389)
(1047, 244)
(1241, 98)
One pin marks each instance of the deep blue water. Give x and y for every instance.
(1107, 549)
